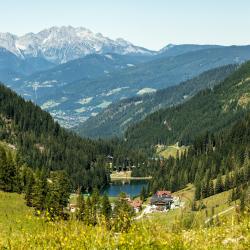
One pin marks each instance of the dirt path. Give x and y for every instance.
(219, 214)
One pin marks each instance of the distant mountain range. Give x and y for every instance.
(75, 74)
(82, 88)
(62, 44)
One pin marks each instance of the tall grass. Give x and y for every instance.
(20, 229)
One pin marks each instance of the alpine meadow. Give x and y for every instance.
(140, 142)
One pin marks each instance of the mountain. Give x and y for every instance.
(210, 110)
(41, 143)
(175, 50)
(115, 119)
(75, 102)
(13, 67)
(81, 88)
(89, 67)
(62, 44)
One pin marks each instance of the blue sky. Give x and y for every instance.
(148, 23)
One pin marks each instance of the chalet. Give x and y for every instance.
(162, 200)
(163, 193)
(136, 204)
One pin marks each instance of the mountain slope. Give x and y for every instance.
(209, 110)
(62, 44)
(76, 101)
(175, 50)
(89, 67)
(41, 143)
(115, 119)
(12, 66)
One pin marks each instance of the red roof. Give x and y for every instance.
(163, 193)
(136, 203)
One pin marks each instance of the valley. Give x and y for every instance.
(105, 144)
(77, 86)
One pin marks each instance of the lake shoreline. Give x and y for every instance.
(126, 175)
(130, 178)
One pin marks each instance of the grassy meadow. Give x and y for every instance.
(171, 151)
(20, 229)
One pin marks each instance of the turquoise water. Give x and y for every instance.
(130, 187)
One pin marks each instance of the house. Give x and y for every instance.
(163, 193)
(136, 204)
(162, 200)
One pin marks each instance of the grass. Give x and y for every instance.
(20, 229)
(171, 151)
(16, 217)
(213, 205)
(8, 148)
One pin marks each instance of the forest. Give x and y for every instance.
(210, 110)
(223, 157)
(42, 144)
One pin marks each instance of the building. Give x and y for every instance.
(137, 205)
(162, 200)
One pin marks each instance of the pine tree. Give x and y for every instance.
(40, 190)
(87, 211)
(198, 191)
(95, 208)
(227, 182)
(106, 207)
(219, 185)
(80, 214)
(58, 193)
(122, 214)
(8, 171)
(242, 202)
(143, 194)
(211, 188)
(30, 181)
(204, 190)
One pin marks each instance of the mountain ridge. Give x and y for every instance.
(208, 111)
(65, 43)
(115, 119)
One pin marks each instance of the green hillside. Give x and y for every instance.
(115, 119)
(41, 143)
(209, 110)
(20, 229)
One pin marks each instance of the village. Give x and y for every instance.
(160, 202)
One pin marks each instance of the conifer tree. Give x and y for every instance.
(8, 171)
(87, 211)
(227, 181)
(30, 181)
(58, 193)
(106, 207)
(211, 188)
(143, 194)
(80, 214)
(95, 208)
(197, 191)
(40, 190)
(242, 202)
(219, 185)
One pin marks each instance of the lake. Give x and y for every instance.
(130, 187)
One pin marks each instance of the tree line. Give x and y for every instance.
(42, 144)
(214, 163)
